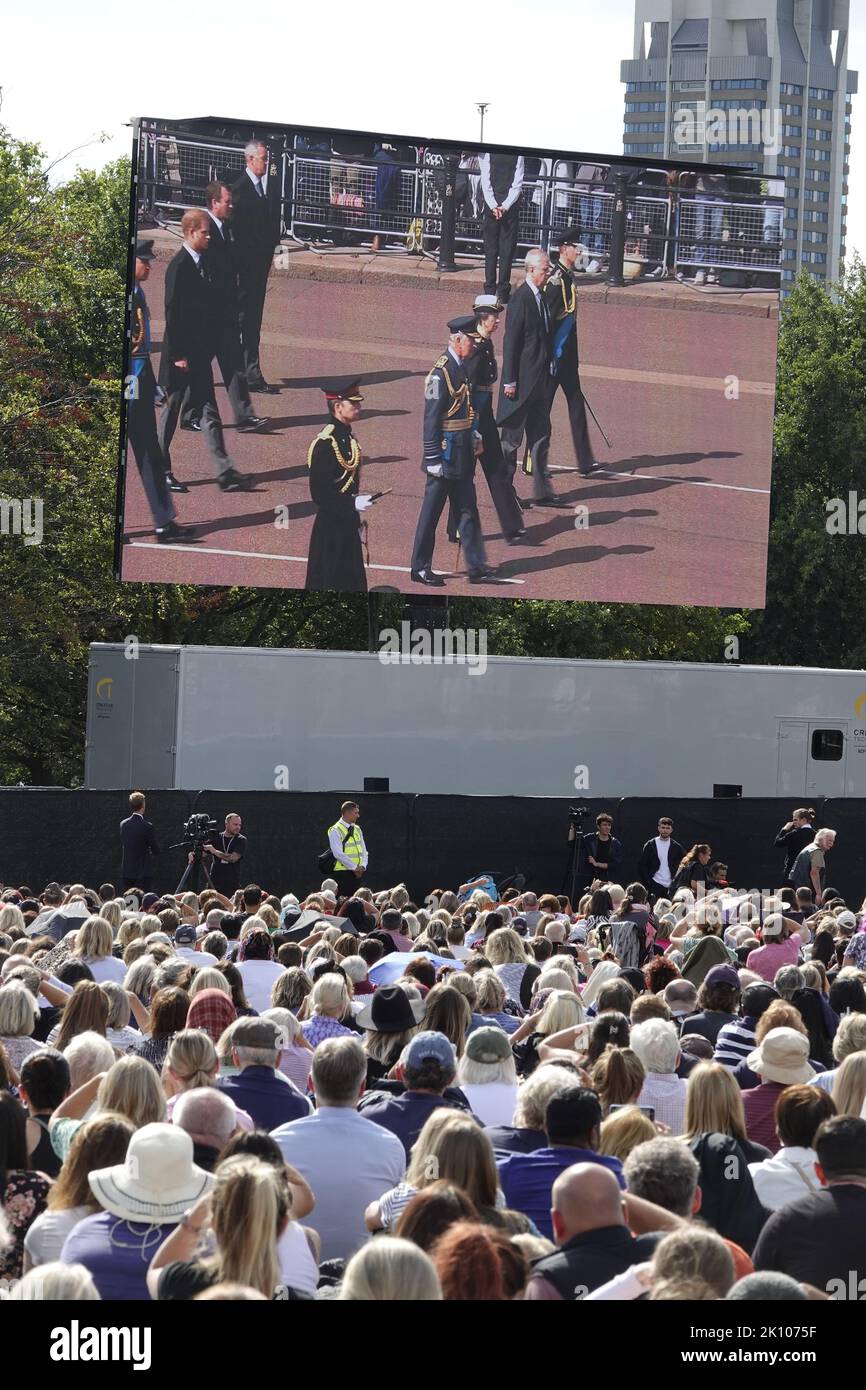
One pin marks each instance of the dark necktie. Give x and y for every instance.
(261, 191)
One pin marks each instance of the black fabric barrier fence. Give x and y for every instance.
(425, 841)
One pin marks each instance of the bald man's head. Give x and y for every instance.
(586, 1197)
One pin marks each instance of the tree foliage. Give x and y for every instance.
(62, 274)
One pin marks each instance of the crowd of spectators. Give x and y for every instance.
(464, 1097)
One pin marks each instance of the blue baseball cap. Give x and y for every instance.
(428, 1046)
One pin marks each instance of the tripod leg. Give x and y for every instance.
(186, 876)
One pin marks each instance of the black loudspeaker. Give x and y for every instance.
(727, 789)
(377, 784)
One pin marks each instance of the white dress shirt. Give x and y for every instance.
(335, 839)
(513, 192)
(255, 180)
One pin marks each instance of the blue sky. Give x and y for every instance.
(550, 71)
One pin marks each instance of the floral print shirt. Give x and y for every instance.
(24, 1198)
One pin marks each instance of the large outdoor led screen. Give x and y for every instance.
(314, 398)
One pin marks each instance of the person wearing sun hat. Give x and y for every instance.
(389, 1021)
(335, 557)
(781, 1060)
(141, 1200)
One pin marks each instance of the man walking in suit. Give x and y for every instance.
(139, 846)
(141, 418)
(189, 345)
(502, 185)
(220, 261)
(256, 228)
(450, 446)
(527, 373)
(560, 296)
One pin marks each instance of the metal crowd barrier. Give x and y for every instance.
(329, 198)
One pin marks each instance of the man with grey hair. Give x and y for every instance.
(658, 1047)
(210, 1120)
(258, 1087)
(256, 229)
(348, 1160)
(665, 1171)
(527, 367)
(810, 867)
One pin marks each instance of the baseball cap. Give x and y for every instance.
(185, 935)
(255, 1032)
(723, 975)
(488, 1045)
(773, 925)
(846, 918)
(149, 899)
(430, 1046)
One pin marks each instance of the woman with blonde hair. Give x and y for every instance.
(447, 1011)
(270, 918)
(56, 1283)
(94, 942)
(618, 1076)
(247, 1212)
(117, 1029)
(209, 978)
(849, 1088)
(129, 931)
(191, 1064)
(19, 1015)
(622, 1131)
(714, 1105)
(390, 1271)
(86, 1011)
(451, 1146)
(330, 1003)
(291, 990)
(562, 1009)
(112, 912)
(132, 1088)
(489, 1000)
(11, 916)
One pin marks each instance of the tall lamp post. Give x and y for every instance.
(481, 107)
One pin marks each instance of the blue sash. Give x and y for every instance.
(564, 329)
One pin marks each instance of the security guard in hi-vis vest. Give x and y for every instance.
(560, 296)
(450, 445)
(335, 559)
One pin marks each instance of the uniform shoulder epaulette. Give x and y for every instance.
(324, 434)
(440, 361)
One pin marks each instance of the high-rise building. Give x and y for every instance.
(781, 67)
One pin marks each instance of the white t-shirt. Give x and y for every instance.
(663, 873)
(44, 1240)
(493, 1103)
(199, 958)
(106, 968)
(258, 977)
(298, 1269)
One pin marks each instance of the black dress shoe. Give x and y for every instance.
(263, 388)
(515, 537)
(553, 502)
(480, 576)
(232, 481)
(588, 472)
(434, 581)
(174, 484)
(173, 533)
(192, 424)
(253, 425)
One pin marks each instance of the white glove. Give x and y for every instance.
(434, 469)
(363, 501)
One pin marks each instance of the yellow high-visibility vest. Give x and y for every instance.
(352, 847)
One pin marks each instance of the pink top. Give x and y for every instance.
(766, 960)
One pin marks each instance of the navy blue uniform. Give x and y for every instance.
(481, 372)
(449, 463)
(560, 296)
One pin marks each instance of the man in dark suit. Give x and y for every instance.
(527, 373)
(189, 346)
(795, 835)
(142, 392)
(139, 846)
(450, 445)
(256, 228)
(221, 263)
(659, 860)
(560, 296)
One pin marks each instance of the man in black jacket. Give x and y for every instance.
(256, 228)
(795, 835)
(138, 842)
(502, 186)
(335, 559)
(221, 262)
(189, 346)
(659, 860)
(527, 373)
(560, 294)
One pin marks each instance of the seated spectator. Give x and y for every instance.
(736, 1039)
(185, 939)
(526, 1132)
(451, 1146)
(330, 1002)
(487, 1076)
(427, 1070)
(691, 1264)
(764, 1287)
(291, 990)
(98, 1143)
(513, 965)
(19, 1015)
(168, 1014)
(714, 1105)
(780, 946)
(820, 1238)
(258, 1087)
(88, 1055)
(210, 1120)
(786, 980)
(618, 1076)
(391, 1271)
(23, 1191)
(432, 1211)
(562, 1009)
(389, 1021)
(477, 1264)
(572, 1124)
(257, 967)
(142, 1200)
(623, 1130)
(490, 1001)
(849, 1088)
(86, 1011)
(296, 1058)
(317, 1145)
(820, 1023)
(43, 1085)
(657, 1045)
(211, 1011)
(850, 1038)
(117, 1028)
(780, 1061)
(56, 1283)
(94, 943)
(447, 1011)
(718, 1001)
(681, 998)
(595, 1243)
(790, 1173)
(298, 1246)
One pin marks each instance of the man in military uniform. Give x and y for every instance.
(336, 560)
(450, 446)
(142, 394)
(560, 295)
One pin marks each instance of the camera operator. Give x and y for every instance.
(226, 848)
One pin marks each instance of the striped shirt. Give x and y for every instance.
(735, 1041)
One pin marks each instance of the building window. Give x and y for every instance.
(813, 237)
(814, 258)
(820, 94)
(635, 106)
(792, 111)
(822, 156)
(818, 175)
(793, 130)
(790, 89)
(825, 135)
(827, 745)
(815, 195)
(644, 86)
(788, 172)
(643, 149)
(645, 127)
(791, 151)
(739, 84)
